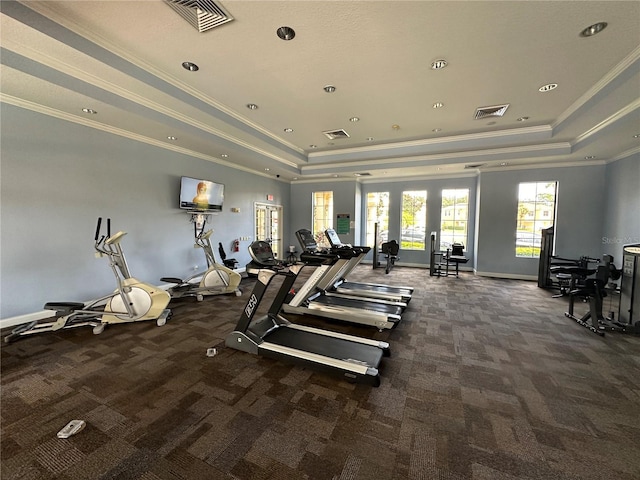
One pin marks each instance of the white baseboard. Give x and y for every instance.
(29, 317)
(508, 276)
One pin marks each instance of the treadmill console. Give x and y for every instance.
(262, 253)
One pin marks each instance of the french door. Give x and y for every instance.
(268, 226)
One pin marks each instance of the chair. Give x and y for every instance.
(390, 251)
(454, 256)
(231, 263)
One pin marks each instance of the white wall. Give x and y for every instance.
(58, 177)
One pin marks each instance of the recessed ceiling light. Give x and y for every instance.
(354, 119)
(171, 137)
(438, 105)
(395, 126)
(329, 88)
(286, 33)
(192, 67)
(593, 29)
(548, 87)
(502, 164)
(267, 169)
(589, 157)
(224, 155)
(89, 110)
(288, 130)
(335, 176)
(436, 130)
(369, 139)
(637, 135)
(313, 146)
(252, 106)
(522, 119)
(438, 64)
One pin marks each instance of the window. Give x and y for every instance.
(536, 210)
(454, 217)
(377, 212)
(414, 220)
(322, 216)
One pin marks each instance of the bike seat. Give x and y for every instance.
(573, 270)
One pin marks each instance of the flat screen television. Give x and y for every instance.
(201, 195)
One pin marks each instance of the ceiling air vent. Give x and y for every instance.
(495, 111)
(202, 14)
(336, 134)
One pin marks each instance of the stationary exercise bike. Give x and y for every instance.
(132, 301)
(217, 280)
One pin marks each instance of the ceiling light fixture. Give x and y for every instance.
(637, 135)
(171, 137)
(192, 67)
(548, 87)
(438, 64)
(436, 130)
(589, 157)
(591, 30)
(224, 155)
(354, 119)
(503, 164)
(522, 119)
(89, 110)
(288, 130)
(438, 105)
(395, 126)
(286, 33)
(369, 139)
(313, 146)
(252, 106)
(267, 169)
(329, 88)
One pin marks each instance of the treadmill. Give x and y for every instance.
(261, 257)
(375, 290)
(309, 299)
(333, 275)
(354, 358)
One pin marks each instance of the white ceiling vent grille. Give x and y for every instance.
(202, 14)
(336, 134)
(495, 111)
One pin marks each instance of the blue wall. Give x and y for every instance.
(58, 177)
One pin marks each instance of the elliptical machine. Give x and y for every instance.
(217, 280)
(132, 301)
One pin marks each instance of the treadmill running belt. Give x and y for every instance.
(362, 305)
(374, 288)
(327, 346)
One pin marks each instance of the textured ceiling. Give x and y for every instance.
(123, 59)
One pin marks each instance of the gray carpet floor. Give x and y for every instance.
(487, 380)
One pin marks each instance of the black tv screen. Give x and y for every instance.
(201, 195)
